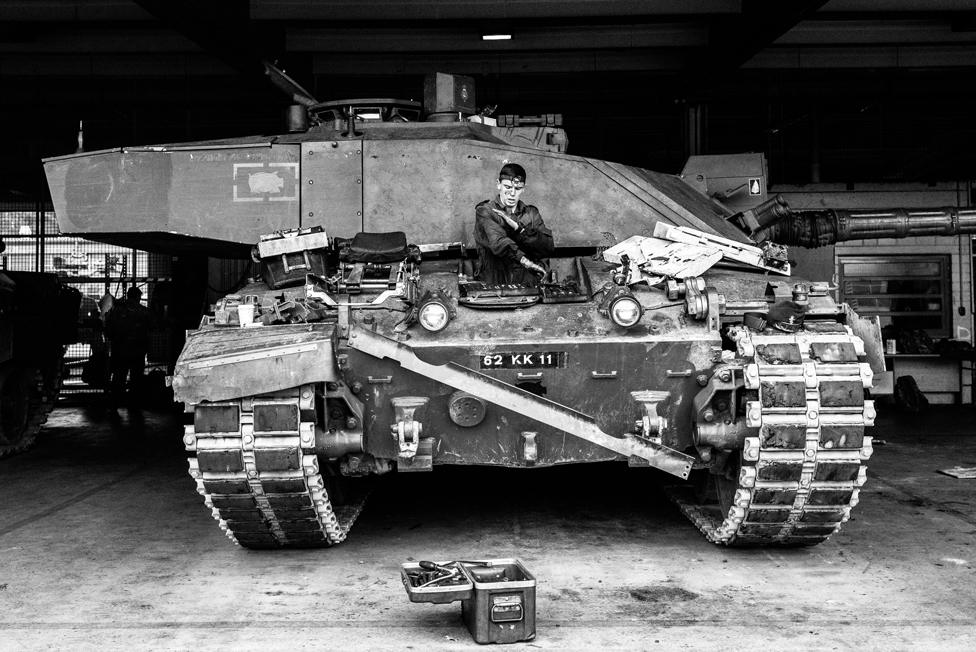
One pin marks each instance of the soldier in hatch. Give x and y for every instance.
(513, 241)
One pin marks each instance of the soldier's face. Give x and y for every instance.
(509, 191)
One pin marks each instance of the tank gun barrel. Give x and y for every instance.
(825, 227)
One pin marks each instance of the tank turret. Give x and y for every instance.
(657, 335)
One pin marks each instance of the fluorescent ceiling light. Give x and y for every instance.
(496, 37)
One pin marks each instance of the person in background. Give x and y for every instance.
(513, 241)
(127, 327)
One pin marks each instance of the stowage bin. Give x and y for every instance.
(502, 609)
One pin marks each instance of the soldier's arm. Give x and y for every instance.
(496, 238)
(536, 237)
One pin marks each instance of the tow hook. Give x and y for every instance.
(407, 429)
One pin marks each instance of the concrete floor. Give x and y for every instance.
(104, 544)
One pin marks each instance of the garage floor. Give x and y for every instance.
(105, 544)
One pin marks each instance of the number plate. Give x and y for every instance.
(550, 359)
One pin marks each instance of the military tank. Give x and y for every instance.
(38, 319)
(368, 345)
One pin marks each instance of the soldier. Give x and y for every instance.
(512, 239)
(127, 326)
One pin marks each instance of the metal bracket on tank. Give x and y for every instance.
(702, 302)
(422, 461)
(346, 436)
(407, 429)
(314, 289)
(343, 320)
(530, 449)
(652, 423)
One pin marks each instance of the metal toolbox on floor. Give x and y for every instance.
(502, 607)
(497, 595)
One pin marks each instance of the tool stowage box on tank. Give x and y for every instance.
(289, 255)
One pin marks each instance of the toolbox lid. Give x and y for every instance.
(292, 240)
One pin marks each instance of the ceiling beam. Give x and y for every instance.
(735, 40)
(478, 10)
(221, 28)
(525, 38)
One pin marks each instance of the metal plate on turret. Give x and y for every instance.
(332, 186)
(232, 193)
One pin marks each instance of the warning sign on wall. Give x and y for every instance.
(755, 186)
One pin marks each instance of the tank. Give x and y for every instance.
(367, 345)
(38, 319)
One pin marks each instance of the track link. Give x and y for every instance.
(799, 477)
(254, 463)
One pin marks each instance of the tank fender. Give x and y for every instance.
(218, 364)
(869, 330)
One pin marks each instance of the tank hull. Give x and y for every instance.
(773, 428)
(592, 372)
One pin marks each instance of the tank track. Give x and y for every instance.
(799, 478)
(265, 487)
(40, 405)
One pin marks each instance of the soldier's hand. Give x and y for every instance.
(532, 267)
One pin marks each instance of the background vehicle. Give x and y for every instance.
(38, 319)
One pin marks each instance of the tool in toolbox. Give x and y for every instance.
(432, 573)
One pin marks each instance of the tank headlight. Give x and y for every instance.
(433, 316)
(435, 310)
(625, 311)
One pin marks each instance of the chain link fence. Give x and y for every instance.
(102, 272)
